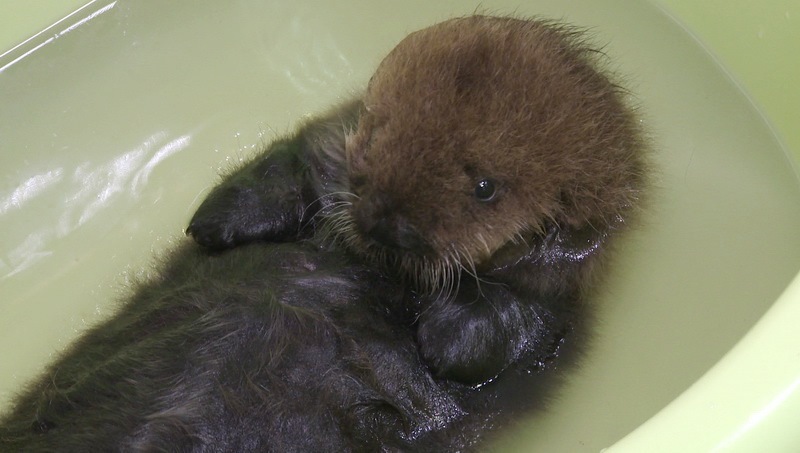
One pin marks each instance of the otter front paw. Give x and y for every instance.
(462, 343)
(264, 200)
(237, 215)
(476, 336)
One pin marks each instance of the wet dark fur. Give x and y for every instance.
(266, 348)
(289, 347)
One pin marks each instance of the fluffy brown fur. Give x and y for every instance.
(513, 102)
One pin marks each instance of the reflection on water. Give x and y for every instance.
(29, 189)
(25, 255)
(123, 176)
(311, 71)
(74, 201)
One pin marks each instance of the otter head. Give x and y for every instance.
(476, 134)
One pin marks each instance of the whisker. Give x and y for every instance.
(328, 207)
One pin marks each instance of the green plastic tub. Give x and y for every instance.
(116, 117)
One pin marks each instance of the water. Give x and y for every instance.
(113, 131)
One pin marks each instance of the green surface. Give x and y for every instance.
(21, 19)
(759, 43)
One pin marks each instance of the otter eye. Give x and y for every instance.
(485, 190)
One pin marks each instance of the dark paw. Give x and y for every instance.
(473, 338)
(264, 200)
(233, 216)
(462, 344)
(212, 233)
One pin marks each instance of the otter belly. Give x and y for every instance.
(264, 348)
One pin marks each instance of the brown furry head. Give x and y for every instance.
(480, 132)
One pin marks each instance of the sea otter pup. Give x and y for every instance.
(441, 228)
(488, 164)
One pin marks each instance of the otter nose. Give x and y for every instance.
(395, 232)
(379, 221)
